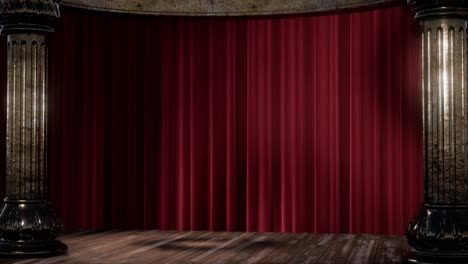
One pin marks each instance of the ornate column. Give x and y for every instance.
(440, 231)
(28, 226)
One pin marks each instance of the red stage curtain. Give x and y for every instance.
(294, 123)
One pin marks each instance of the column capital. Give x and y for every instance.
(27, 15)
(438, 8)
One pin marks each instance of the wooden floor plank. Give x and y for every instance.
(364, 250)
(220, 255)
(87, 250)
(256, 246)
(314, 250)
(261, 255)
(79, 236)
(71, 235)
(79, 244)
(196, 251)
(389, 250)
(156, 248)
(251, 245)
(405, 248)
(172, 247)
(106, 253)
(339, 251)
(8, 261)
(232, 243)
(289, 249)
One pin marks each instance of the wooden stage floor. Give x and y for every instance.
(144, 247)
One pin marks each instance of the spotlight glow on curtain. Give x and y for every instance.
(297, 123)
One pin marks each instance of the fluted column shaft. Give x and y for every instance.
(27, 117)
(445, 98)
(28, 225)
(439, 232)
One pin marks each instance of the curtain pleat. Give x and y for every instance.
(308, 123)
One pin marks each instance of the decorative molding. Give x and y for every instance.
(28, 15)
(439, 232)
(222, 7)
(48, 8)
(28, 220)
(28, 228)
(439, 8)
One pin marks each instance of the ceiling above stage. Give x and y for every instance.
(221, 7)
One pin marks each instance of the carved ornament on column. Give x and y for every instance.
(25, 15)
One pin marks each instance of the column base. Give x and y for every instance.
(28, 228)
(438, 234)
(413, 256)
(32, 249)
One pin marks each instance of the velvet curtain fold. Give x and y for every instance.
(293, 124)
(333, 129)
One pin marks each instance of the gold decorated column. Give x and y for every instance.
(28, 226)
